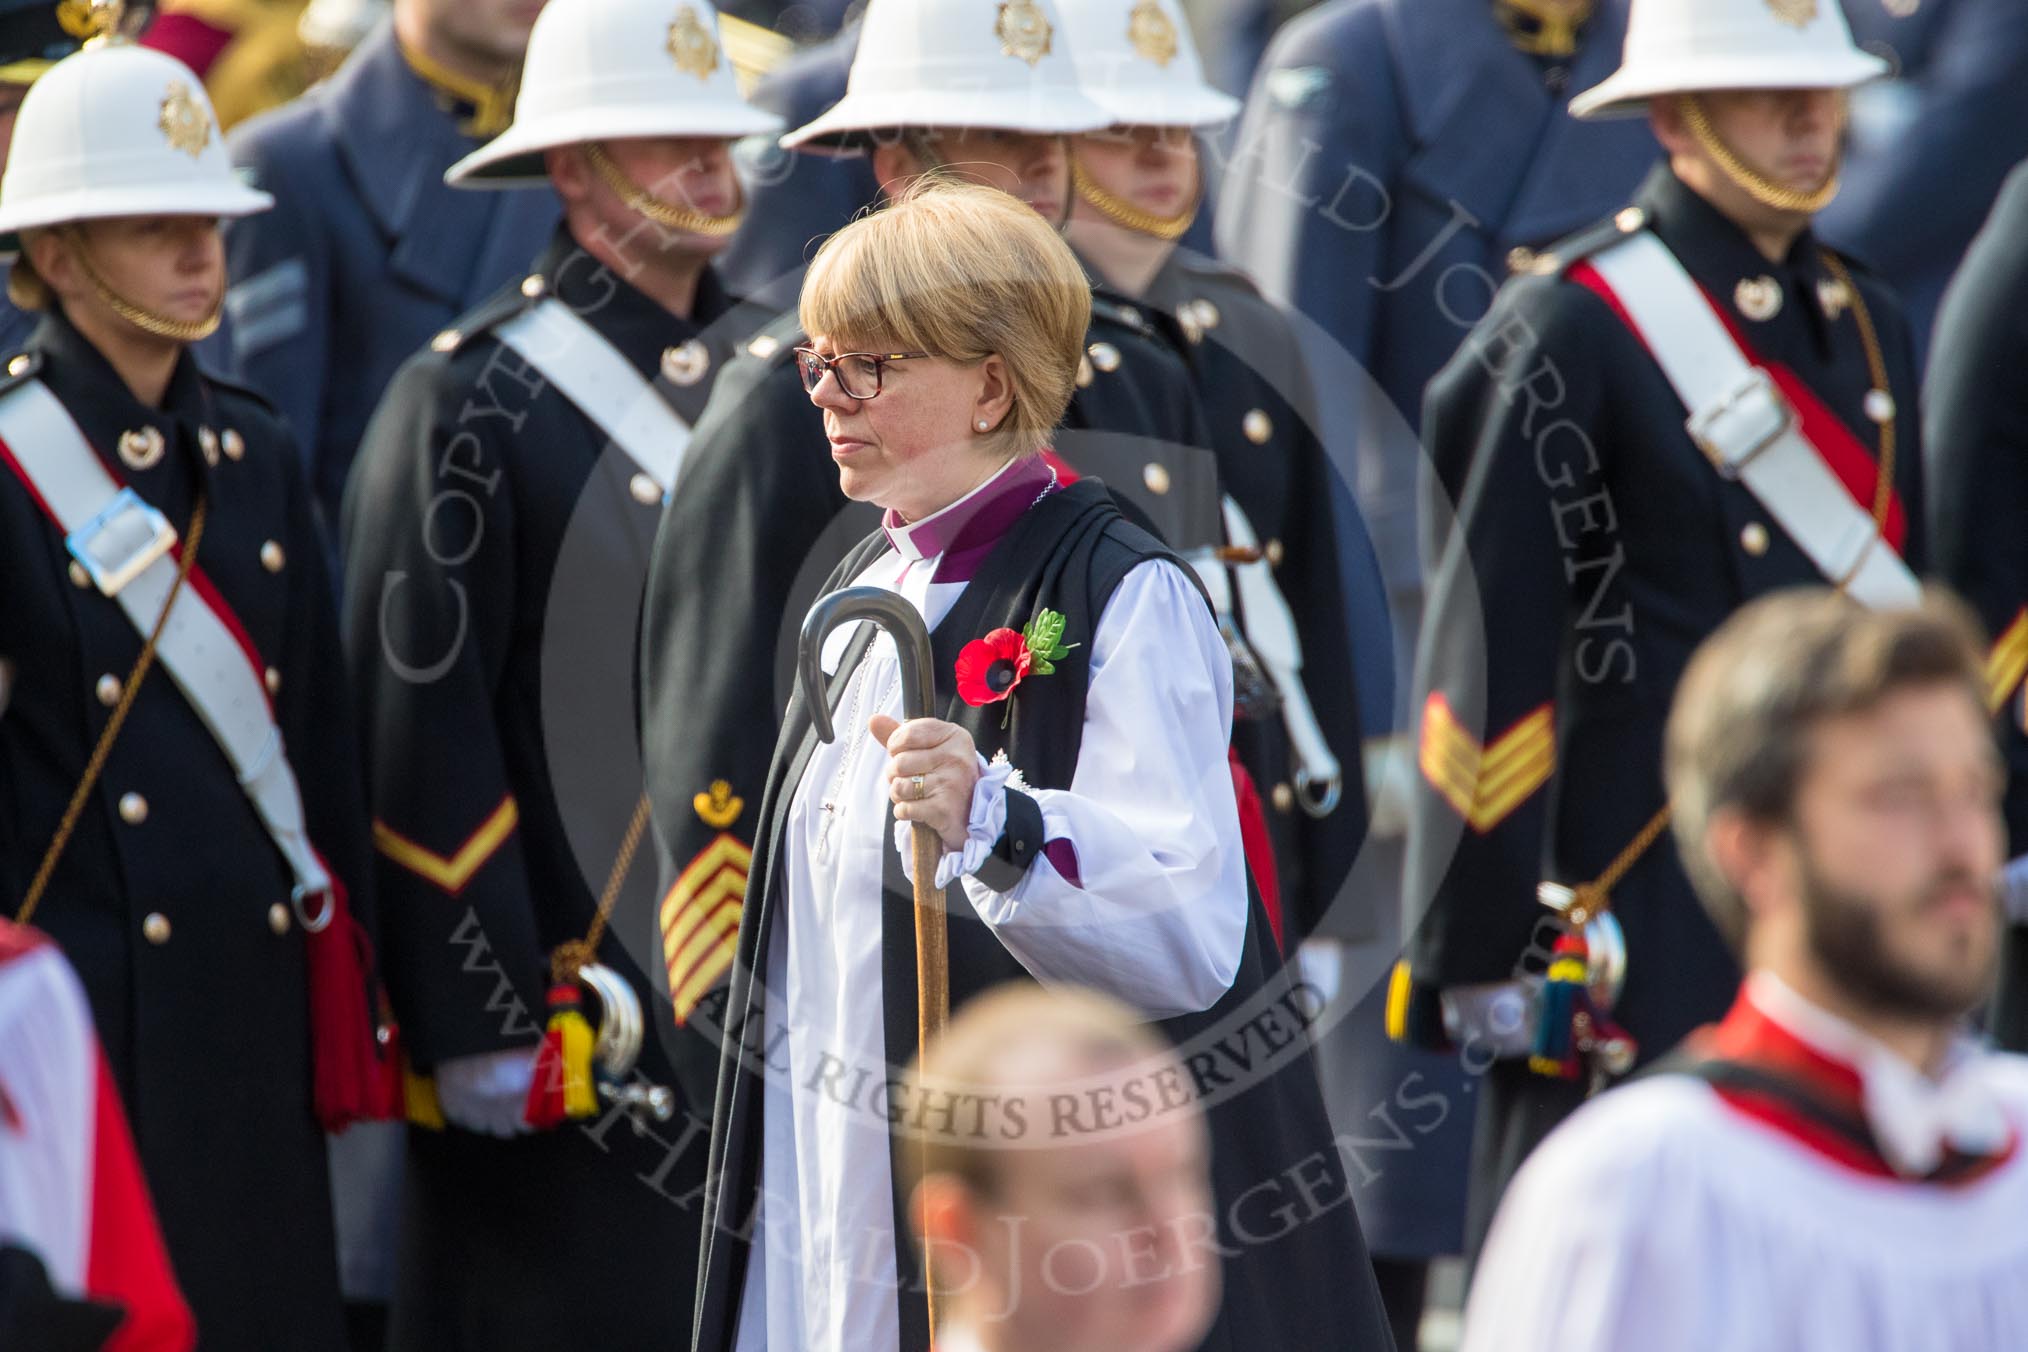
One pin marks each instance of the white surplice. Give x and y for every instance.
(1159, 920)
(1661, 1219)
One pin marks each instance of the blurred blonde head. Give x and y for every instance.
(1064, 1167)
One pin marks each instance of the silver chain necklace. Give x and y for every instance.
(833, 806)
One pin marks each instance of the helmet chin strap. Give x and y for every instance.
(1125, 214)
(1749, 180)
(669, 214)
(142, 318)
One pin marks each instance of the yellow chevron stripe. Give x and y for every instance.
(700, 920)
(453, 872)
(1491, 810)
(725, 851)
(2008, 662)
(704, 960)
(721, 921)
(719, 867)
(1485, 784)
(1515, 769)
(727, 889)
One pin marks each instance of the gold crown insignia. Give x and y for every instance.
(691, 45)
(1023, 30)
(1152, 32)
(185, 122)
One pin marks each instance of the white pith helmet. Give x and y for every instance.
(1137, 60)
(118, 130)
(957, 63)
(1690, 46)
(612, 70)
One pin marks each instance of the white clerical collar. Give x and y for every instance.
(1915, 1117)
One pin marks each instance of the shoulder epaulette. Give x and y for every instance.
(1555, 260)
(489, 314)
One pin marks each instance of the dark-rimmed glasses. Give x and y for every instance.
(859, 374)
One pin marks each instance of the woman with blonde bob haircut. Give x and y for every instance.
(976, 278)
(1077, 777)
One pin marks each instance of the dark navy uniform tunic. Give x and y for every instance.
(496, 544)
(1583, 569)
(171, 900)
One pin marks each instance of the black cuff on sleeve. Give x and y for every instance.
(1019, 844)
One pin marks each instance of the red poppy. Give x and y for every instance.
(989, 668)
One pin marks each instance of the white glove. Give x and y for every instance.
(1391, 772)
(487, 1093)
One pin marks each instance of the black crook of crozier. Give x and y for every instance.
(885, 609)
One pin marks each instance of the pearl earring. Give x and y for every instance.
(985, 426)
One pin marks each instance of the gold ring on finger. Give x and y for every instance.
(921, 789)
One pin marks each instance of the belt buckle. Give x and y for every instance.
(1754, 412)
(119, 543)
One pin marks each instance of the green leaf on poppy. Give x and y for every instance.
(1041, 666)
(1044, 636)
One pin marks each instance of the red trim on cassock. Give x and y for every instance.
(1748, 1035)
(1841, 450)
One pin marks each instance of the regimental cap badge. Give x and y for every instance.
(718, 807)
(1794, 13)
(185, 122)
(1023, 30)
(1152, 32)
(691, 45)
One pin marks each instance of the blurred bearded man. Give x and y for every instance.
(1835, 1164)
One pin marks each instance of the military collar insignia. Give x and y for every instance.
(1794, 13)
(691, 45)
(489, 108)
(184, 121)
(1023, 30)
(1152, 32)
(687, 363)
(1542, 27)
(1197, 318)
(1835, 298)
(142, 448)
(1758, 298)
